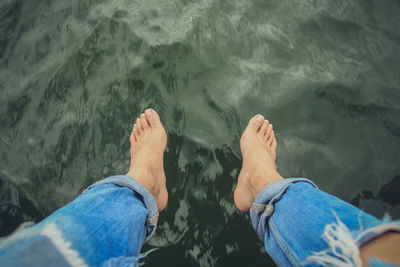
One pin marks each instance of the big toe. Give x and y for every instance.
(153, 118)
(255, 123)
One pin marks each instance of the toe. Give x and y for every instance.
(274, 144)
(139, 126)
(136, 133)
(255, 123)
(268, 132)
(132, 137)
(263, 128)
(152, 117)
(271, 138)
(143, 122)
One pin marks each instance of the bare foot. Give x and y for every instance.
(148, 141)
(258, 146)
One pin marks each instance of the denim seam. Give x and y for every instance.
(152, 221)
(155, 222)
(257, 209)
(282, 244)
(152, 218)
(269, 210)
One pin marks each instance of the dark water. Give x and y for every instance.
(74, 75)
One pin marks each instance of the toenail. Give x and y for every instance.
(260, 118)
(148, 112)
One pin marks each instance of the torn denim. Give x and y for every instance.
(105, 226)
(302, 225)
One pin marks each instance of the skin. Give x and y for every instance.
(258, 145)
(148, 141)
(384, 247)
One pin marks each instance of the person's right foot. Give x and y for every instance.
(148, 142)
(258, 146)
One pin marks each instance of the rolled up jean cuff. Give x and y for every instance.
(262, 207)
(145, 196)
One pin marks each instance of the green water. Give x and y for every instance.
(74, 75)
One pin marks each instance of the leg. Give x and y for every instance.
(107, 224)
(298, 223)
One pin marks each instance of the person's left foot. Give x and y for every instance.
(148, 141)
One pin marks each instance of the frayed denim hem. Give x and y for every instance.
(343, 248)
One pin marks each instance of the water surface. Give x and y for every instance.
(74, 75)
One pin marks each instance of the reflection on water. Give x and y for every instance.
(75, 74)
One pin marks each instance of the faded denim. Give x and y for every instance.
(108, 224)
(105, 226)
(302, 225)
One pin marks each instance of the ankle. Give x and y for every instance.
(140, 178)
(258, 183)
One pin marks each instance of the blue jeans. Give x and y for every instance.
(108, 224)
